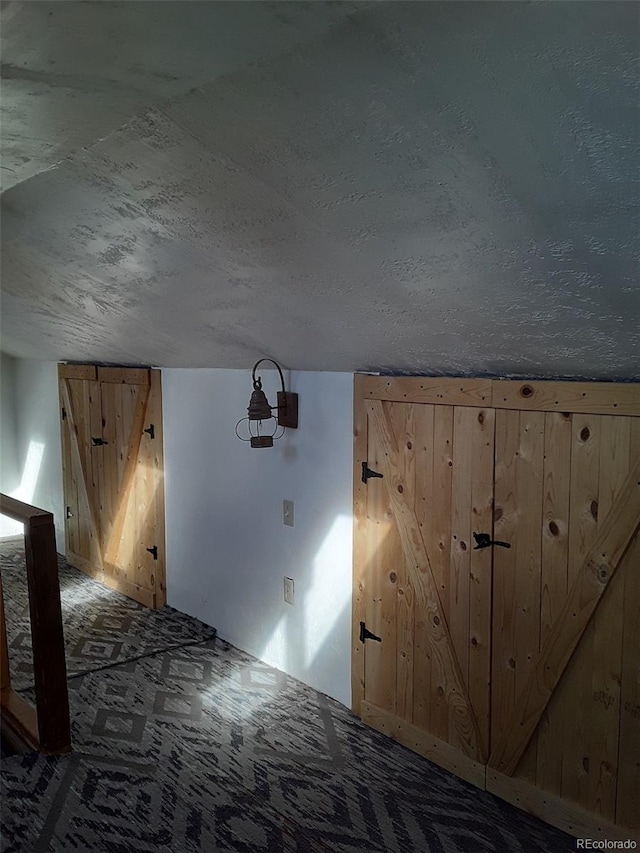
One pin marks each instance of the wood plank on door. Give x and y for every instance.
(628, 764)
(439, 535)
(402, 417)
(526, 557)
(481, 571)
(385, 556)
(583, 531)
(505, 529)
(425, 505)
(554, 581)
(603, 700)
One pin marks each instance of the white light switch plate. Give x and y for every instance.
(288, 590)
(287, 513)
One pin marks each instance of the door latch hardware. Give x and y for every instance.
(365, 634)
(69, 513)
(151, 430)
(98, 442)
(484, 540)
(367, 473)
(153, 551)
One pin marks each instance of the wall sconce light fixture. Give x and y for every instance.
(260, 410)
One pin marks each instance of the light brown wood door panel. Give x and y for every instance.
(113, 478)
(556, 705)
(80, 400)
(431, 606)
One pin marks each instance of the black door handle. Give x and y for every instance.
(98, 442)
(484, 540)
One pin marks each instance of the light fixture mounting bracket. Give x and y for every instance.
(287, 409)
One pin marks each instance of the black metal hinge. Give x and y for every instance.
(69, 513)
(367, 473)
(151, 430)
(365, 634)
(64, 414)
(153, 551)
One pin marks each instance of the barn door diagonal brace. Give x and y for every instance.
(426, 589)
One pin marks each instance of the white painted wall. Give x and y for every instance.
(36, 446)
(9, 468)
(228, 550)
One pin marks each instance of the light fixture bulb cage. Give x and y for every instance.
(255, 430)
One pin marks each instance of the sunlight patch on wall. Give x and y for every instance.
(330, 587)
(27, 488)
(274, 651)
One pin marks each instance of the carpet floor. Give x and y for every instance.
(183, 743)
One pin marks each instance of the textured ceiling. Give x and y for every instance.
(411, 187)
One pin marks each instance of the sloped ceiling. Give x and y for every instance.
(433, 187)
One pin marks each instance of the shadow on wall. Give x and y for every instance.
(27, 488)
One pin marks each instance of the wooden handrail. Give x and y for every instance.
(47, 726)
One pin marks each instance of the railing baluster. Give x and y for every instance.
(53, 735)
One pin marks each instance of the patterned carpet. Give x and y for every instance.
(101, 628)
(204, 748)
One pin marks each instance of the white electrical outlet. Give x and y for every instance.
(287, 513)
(288, 590)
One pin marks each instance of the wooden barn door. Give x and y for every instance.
(113, 477)
(515, 665)
(422, 604)
(566, 647)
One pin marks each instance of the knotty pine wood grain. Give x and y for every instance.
(402, 417)
(428, 389)
(594, 576)
(481, 572)
(603, 398)
(554, 582)
(424, 503)
(576, 698)
(415, 553)
(506, 527)
(385, 555)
